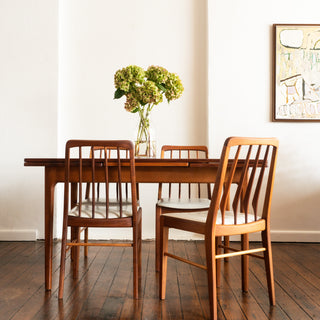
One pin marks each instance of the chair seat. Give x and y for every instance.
(100, 211)
(185, 204)
(112, 201)
(201, 217)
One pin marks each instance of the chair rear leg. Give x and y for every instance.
(86, 238)
(75, 236)
(62, 263)
(218, 262)
(164, 236)
(266, 240)
(245, 262)
(211, 273)
(226, 241)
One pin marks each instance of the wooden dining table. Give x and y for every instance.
(148, 170)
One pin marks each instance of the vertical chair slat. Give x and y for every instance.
(170, 183)
(189, 185)
(119, 181)
(93, 183)
(241, 185)
(227, 185)
(259, 183)
(106, 174)
(80, 180)
(246, 198)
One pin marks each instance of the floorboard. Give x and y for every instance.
(103, 289)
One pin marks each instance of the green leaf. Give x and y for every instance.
(161, 87)
(135, 110)
(119, 93)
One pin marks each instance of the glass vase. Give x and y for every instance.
(145, 144)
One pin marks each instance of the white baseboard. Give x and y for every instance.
(19, 235)
(295, 235)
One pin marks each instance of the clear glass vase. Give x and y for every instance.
(145, 144)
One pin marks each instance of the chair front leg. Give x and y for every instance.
(137, 256)
(164, 239)
(211, 273)
(158, 214)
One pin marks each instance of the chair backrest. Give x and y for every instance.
(120, 169)
(250, 162)
(199, 190)
(112, 153)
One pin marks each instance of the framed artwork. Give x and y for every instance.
(296, 83)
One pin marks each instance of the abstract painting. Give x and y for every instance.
(296, 72)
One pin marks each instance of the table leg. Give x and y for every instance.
(48, 226)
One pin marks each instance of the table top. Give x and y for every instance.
(57, 162)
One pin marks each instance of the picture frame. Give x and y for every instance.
(296, 72)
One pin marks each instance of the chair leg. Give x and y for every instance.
(140, 250)
(164, 238)
(158, 214)
(226, 242)
(86, 239)
(211, 273)
(136, 256)
(62, 262)
(75, 235)
(218, 262)
(245, 262)
(266, 240)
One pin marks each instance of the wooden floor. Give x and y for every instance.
(104, 287)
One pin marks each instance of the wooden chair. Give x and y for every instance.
(181, 197)
(252, 162)
(95, 214)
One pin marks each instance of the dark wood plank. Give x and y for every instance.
(104, 287)
(190, 304)
(227, 304)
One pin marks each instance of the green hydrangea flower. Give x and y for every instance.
(157, 74)
(174, 87)
(128, 77)
(131, 103)
(149, 93)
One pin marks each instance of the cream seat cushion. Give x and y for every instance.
(185, 204)
(112, 202)
(201, 216)
(100, 211)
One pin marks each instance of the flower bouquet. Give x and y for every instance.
(144, 90)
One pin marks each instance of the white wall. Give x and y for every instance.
(240, 102)
(99, 36)
(28, 121)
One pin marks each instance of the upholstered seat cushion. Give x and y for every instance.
(201, 216)
(185, 204)
(100, 211)
(112, 201)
